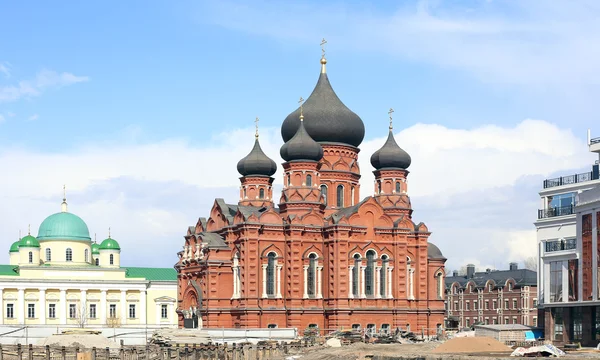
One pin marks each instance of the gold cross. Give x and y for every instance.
(323, 42)
(256, 125)
(390, 114)
(301, 101)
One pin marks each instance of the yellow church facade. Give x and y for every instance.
(62, 277)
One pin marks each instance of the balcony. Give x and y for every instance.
(559, 245)
(556, 211)
(566, 180)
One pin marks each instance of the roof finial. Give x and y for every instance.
(109, 232)
(29, 229)
(94, 238)
(301, 101)
(323, 60)
(390, 114)
(19, 234)
(63, 206)
(256, 125)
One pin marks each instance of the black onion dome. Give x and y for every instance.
(256, 163)
(434, 252)
(327, 119)
(301, 147)
(390, 155)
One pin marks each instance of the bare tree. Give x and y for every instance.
(82, 315)
(531, 263)
(113, 322)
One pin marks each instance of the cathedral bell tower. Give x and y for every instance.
(257, 170)
(301, 179)
(390, 163)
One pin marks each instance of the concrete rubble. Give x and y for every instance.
(175, 337)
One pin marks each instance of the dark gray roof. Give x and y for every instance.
(229, 210)
(326, 118)
(341, 213)
(390, 155)
(434, 252)
(301, 147)
(256, 163)
(522, 277)
(213, 240)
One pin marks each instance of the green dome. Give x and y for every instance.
(95, 249)
(110, 244)
(29, 241)
(64, 226)
(14, 247)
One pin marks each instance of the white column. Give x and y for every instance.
(350, 281)
(264, 281)
(62, 305)
(279, 281)
(103, 309)
(305, 295)
(362, 281)
(389, 282)
(21, 306)
(158, 313)
(1, 306)
(378, 282)
(173, 318)
(143, 315)
(123, 307)
(42, 310)
(319, 282)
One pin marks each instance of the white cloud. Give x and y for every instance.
(5, 69)
(476, 189)
(523, 42)
(2, 119)
(44, 80)
(33, 117)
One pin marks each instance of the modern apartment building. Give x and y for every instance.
(567, 248)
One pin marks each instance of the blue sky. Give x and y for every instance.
(83, 83)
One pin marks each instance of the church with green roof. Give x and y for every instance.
(63, 277)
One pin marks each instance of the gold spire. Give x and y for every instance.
(390, 114)
(256, 125)
(323, 60)
(301, 101)
(63, 206)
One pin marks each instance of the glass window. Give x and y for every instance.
(311, 274)
(514, 320)
(397, 186)
(355, 326)
(69, 255)
(587, 256)
(596, 323)
(272, 326)
(577, 324)
(112, 311)
(10, 311)
(261, 193)
(555, 281)
(48, 254)
(355, 274)
(494, 305)
(271, 274)
(487, 305)
(467, 322)
(324, 193)
(31, 311)
(495, 321)
(369, 274)
(309, 180)
(535, 303)
(514, 303)
(97, 261)
(535, 321)
(164, 314)
(506, 321)
(72, 311)
(132, 311)
(52, 311)
(92, 311)
(379, 186)
(475, 304)
(31, 257)
(289, 180)
(557, 314)
(382, 276)
(486, 321)
(506, 304)
(340, 196)
(112, 259)
(563, 200)
(510, 286)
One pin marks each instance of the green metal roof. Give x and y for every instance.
(95, 249)
(14, 247)
(155, 274)
(110, 244)
(63, 226)
(29, 241)
(9, 270)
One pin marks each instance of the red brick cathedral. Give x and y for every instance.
(316, 255)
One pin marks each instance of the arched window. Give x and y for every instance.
(382, 276)
(355, 275)
(112, 259)
(271, 274)
(48, 254)
(369, 274)
(69, 255)
(397, 186)
(97, 262)
(340, 196)
(352, 196)
(440, 286)
(85, 255)
(309, 180)
(289, 180)
(245, 196)
(31, 257)
(379, 186)
(410, 278)
(236, 276)
(324, 193)
(261, 193)
(312, 275)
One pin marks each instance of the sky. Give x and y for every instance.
(143, 108)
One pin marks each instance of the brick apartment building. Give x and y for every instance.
(491, 297)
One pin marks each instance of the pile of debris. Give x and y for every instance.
(472, 345)
(347, 336)
(178, 337)
(81, 338)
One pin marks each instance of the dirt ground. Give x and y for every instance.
(362, 351)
